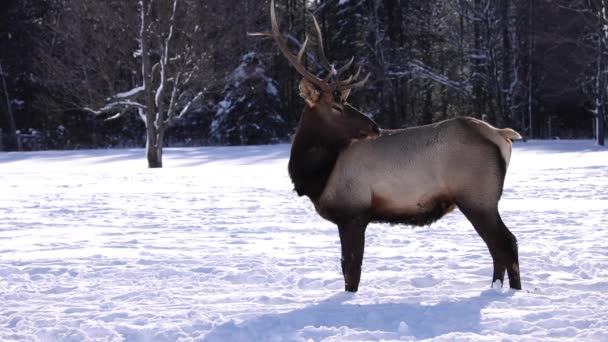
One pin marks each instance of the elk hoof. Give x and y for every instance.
(351, 288)
(515, 285)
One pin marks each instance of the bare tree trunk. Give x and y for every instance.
(387, 89)
(476, 68)
(531, 38)
(427, 59)
(601, 124)
(601, 82)
(13, 140)
(427, 109)
(507, 57)
(600, 106)
(153, 151)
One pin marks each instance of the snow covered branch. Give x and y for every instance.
(420, 70)
(127, 94)
(117, 115)
(118, 104)
(187, 106)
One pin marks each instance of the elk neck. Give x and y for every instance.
(313, 155)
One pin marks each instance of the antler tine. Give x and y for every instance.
(345, 67)
(358, 72)
(350, 79)
(302, 50)
(356, 84)
(346, 81)
(324, 60)
(326, 84)
(295, 60)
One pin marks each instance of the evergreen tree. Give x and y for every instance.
(249, 112)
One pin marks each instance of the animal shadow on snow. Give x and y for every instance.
(422, 320)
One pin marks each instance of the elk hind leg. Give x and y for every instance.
(501, 243)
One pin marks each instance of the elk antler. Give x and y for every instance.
(328, 66)
(348, 83)
(296, 60)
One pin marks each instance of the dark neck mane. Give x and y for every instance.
(311, 162)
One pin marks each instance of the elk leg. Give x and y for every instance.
(508, 246)
(501, 243)
(352, 239)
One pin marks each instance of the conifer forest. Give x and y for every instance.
(78, 74)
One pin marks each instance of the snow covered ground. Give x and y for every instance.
(216, 247)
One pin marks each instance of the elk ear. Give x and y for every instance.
(344, 94)
(309, 93)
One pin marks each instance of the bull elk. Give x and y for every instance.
(354, 173)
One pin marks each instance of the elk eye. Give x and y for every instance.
(337, 107)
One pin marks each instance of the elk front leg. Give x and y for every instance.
(352, 239)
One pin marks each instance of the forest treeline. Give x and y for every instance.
(84, 73)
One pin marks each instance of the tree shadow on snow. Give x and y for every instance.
(243, 155)
(186, 156)
(422, 320)
(102, 155)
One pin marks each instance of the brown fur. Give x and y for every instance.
(425, 213)
(412, 176)
(353, 174)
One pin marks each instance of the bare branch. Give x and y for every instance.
(172, 101)
(142, 115)
(117, 115)
(190, 74)
(419, 69)
(187, 106)
(111, 106)
(127, 94)
(160, 91)
(153, 71)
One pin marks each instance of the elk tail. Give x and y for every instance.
(510, 134)
(502, 140)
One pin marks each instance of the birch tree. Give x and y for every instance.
(169, 62)
(600, 87)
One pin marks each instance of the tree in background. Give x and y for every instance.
(81, 57)
(599, 9)
(538, 66)
(14, 143)
(594, 39)
(249, 112)
(168, 64)
(18, 32)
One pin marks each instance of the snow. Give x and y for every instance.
(271, 89)
(216, 247)
(18, 102)
(245, 71)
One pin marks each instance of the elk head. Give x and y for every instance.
(333, 121)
